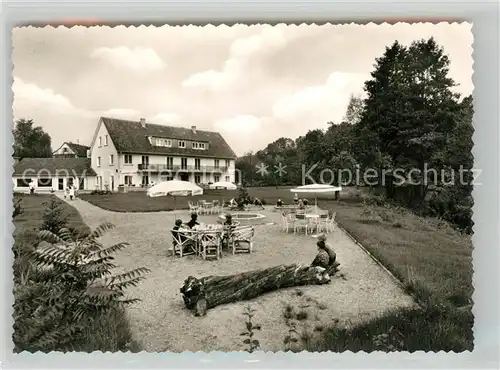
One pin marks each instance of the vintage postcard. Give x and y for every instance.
(243, 188)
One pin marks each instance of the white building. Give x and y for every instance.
(53, 174)
(136, 153)
(72, 150)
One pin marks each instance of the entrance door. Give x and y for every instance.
(60, 184)
(184, 176)
(69, 181)
(81, 184)
(112, 178)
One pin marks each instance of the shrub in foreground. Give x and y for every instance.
(69, 291)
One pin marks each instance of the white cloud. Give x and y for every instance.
(320, 102)
(29, 97)
(122, 113)
(137, 59)
(241, 50)
(242, 124)
(166, 118)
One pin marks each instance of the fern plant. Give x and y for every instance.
(71, 283)
(250, 341)
(18, 208)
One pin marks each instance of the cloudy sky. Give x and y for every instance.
(253, 84)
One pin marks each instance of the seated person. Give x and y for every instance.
(232, 203)
(257, 202)
(305, 201)
(301, 204)
(175, 231)
(326, 257)
(229, 220)
(193, 222)
(279, 203)
(295, 198)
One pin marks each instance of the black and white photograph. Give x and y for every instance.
(243, 188)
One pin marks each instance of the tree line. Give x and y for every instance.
(411, 131)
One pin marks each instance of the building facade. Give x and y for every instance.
(135, 154)
(55, 173)
(72, 150)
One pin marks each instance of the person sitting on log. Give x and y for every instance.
(194, 221)
(326, 257)
(258, 203)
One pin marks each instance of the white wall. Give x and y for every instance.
(89, 183)
(60, 151)
(107, 172)
(127, 169)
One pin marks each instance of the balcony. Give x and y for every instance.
(168, 168)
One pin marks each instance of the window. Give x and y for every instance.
(145, 180)
(100, 141)
(44, 182)
(197, 163)
(228, 179)
(228, 163)
(111, 159)
(106, 140)
(184, 163)
(128, 158)
(23, 183)
(128, 180)
(167, 142)
(197, 145)
(197, 179)
(182, 144)
(98, 161)
(216, 163)
(216, 178)
(65, 150)
(169, 161)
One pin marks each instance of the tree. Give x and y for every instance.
(354, 110)
(31, 141)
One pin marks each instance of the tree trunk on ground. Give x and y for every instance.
(210, 291)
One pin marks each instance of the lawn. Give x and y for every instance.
(433, 261)
(107, 333)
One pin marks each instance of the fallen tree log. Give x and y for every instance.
(207, 292)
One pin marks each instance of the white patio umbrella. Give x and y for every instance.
(224, 184)
(316, 189)
(174, 188)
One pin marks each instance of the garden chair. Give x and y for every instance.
(287, 222)
(193, 208)
(185, 242)
(322, 223)
(301, 223)
(210, 243)
(330, 223)
(242, 238)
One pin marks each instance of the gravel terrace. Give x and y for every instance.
(160, 322)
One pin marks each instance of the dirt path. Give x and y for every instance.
(161, 323)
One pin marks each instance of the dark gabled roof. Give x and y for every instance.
(131, 137)
(45, 166)
(80, 150)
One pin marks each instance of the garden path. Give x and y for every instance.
(161, 323)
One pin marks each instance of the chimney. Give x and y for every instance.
(193, 128)
(143, 122)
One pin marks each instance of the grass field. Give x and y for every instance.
(107, 333)
(433, 261)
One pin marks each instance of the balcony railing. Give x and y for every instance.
(165, 168)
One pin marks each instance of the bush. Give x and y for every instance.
(100, 192)
(18, 208)
(68, 291)
(53, 217)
